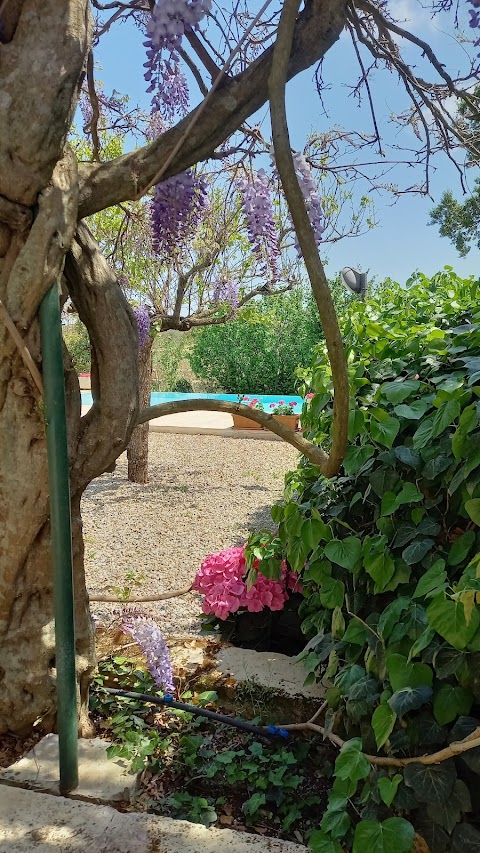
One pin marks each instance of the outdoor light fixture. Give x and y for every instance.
(355, 281)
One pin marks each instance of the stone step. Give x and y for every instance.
(32, 821)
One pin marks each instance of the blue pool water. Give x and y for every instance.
(164, 397)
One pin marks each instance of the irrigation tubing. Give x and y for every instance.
(167, 701)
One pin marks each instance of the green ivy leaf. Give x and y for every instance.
(417, 550)
(254, 803)
(356, 457)
(391, 615)
(431, 783)
(383, 721)
(403, 674)
(435, 466)
(332, 593)
(447, 617)
(351, 763)
(394, 835)
(313, 531)
(460, 548)
(409, 699)
(380, 567)
(383, 480)
(385, 432)
(450, 702)
(465, 839)
(336, 822)
(473, 509)
(397, 392)
(413, 412)
(297, 553)
(356, 423)
(389, 503)
(423, 434)
(388, 788)
(356, 633)
(446, 414)
(321, 843)
(407, 456)
(433, 580)
(409, 494)
(344, 552)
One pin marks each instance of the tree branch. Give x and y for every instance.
(106, 184)
(306, 237)
(314, 453)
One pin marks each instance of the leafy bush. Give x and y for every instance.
(169, 349)
(78, 344)
(182, 386)
(388, 555)
(260, 349)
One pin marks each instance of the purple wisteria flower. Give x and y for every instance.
(145, 631)
(226, 290)
(474, 15)
(176, 210)
(256, 199)
(170, 20)
(143, 324)
(313, 201)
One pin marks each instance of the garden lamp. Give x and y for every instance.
(355, 281)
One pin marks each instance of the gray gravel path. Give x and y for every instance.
(205, 493)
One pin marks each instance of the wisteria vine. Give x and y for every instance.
(147, 634)
(257, 206)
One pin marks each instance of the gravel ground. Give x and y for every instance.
(205, 493)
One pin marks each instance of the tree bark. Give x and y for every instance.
(137, 450)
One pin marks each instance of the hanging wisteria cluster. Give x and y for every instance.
(143, 324)
(147, 634)
(257, 206)
(169, 21)
(311, 195)
(226, 290)
(176, 210)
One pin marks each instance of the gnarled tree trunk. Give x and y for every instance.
(137, 450)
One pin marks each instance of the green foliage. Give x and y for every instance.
(260, 349)
(78, 343)
(203, 765)
(395, 557)
(169, 350)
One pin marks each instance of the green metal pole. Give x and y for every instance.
(61, 535)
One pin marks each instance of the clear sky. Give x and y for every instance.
(403, 240)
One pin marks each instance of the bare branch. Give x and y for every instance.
(306, 237)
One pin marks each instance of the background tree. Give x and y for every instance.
(460, 221)
(46, 192)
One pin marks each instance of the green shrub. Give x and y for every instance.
(388, 551)
(78, 343)
(182, 386)
(259, 350)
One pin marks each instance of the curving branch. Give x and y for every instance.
(103, 185)
(106, 429)
(314, 453)
(306, 237)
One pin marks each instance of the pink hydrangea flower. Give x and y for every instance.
(221, 581)
(309, 396)
(272, 405)
(292, 404)
(281, 402)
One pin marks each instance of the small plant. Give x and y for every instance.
(252, 404)
(283, 408)
(132, 579)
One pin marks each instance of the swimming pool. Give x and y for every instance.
(158, 397)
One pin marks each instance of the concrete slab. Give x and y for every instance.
(44, 823)
(102, 780)
(267, 669)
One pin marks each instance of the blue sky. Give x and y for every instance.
(403, 241)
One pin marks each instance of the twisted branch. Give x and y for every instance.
(306, 237)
